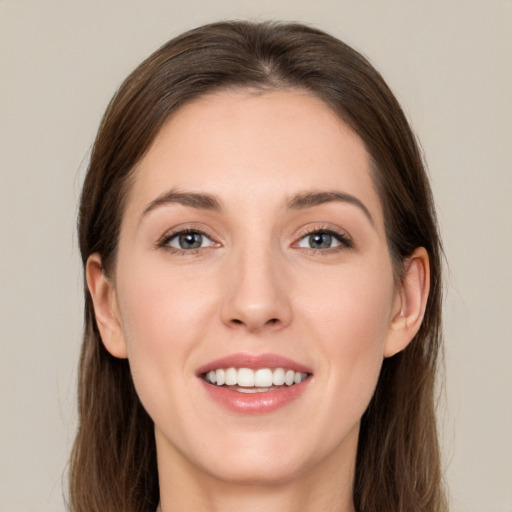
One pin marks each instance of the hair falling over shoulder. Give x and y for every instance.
(398, 469)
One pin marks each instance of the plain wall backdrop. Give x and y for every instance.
(450, 65)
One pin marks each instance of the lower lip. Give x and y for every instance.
(255, 403)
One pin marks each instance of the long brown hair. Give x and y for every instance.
(398, 469)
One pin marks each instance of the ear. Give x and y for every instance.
(410, 302)
(105, 307)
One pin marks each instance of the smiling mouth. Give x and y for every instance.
(247, 380)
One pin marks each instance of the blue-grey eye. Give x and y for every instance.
(189, 240)
(319, 240)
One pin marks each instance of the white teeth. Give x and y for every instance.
(278, 378)
(220, 376)
(231, 377)
(262, 378)
(252, 390)
(246, 378)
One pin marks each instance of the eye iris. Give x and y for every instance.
(320, 240)
(190, 240)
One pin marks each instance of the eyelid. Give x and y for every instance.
(177, 237)
(344, 238)
(164, 240)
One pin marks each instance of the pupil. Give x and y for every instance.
(320, 241)
(191, 240)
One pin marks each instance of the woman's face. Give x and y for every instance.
(253, 238)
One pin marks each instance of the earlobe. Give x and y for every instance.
(410, 303)
(105, 307)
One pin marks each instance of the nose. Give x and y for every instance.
(256, 297)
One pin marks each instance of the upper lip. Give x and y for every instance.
(254, 362)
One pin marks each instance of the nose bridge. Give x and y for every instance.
(256, 290)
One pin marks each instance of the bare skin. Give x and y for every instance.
(290, 258)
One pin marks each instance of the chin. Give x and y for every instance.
(261, 470)
(263, 458)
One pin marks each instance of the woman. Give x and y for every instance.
(263, 297)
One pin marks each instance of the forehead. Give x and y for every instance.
(263, 147)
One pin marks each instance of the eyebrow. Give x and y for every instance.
(311, 199)
(192, 199)
(202, 201)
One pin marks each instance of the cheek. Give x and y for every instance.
(352, 309)
(159, 309)
(351, 319)
(163, 322)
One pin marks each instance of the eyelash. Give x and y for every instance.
(345, 241)
(166, 239)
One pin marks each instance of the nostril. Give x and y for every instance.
(271, 321)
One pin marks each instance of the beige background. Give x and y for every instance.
(450, 64)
